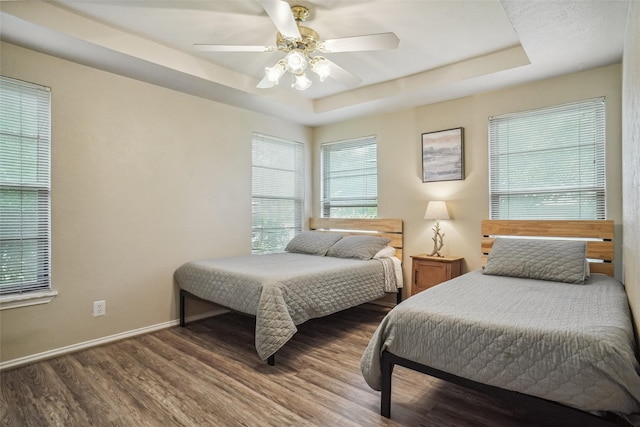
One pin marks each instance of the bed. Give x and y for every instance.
(335, 265)
(534, 325)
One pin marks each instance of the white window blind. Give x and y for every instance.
(277, 192)
(350, 178)
(25, 111)
(548, 163)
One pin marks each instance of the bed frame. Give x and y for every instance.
(389, 228)
(600, 249)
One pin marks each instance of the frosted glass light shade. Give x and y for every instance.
(321, 67)
(296, 61)
(274, 73)
(302, 82)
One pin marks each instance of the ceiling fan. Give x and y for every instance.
(300, 43)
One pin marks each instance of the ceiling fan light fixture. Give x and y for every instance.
(300, 42)
(321, 66)
(274, 73)
(301, 82)
(296, 61)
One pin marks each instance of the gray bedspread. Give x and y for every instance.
(285, 289)
(567, 343)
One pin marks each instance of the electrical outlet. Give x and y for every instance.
(99, 308)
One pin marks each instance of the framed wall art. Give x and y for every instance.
(443, 155)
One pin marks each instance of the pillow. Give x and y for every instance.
(359, 247)
(312, 243)
(587, 269)
(386, 252)
(555, 260)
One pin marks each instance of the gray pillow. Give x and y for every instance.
(359, 247)
(555, 260)
(312, 243)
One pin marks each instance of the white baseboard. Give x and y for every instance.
(21, 361)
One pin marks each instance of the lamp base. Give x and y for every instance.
(438, 241)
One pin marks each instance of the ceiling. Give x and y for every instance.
(448, 48)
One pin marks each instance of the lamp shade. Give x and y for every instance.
(296, 61)
(302, 82)
(436, 210)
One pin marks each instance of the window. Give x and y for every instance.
(350, 179)
(548, 163)
(277, 201)
(25, 255)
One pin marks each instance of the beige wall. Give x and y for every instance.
(143, 179)
(631, 160)
(402, 193)
(146, 178)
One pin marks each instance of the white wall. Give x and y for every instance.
(143, 180)
(401, 192)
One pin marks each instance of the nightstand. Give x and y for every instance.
(428, 271)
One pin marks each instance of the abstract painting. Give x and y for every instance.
(443, 155)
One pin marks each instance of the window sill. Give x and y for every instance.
(26, 299)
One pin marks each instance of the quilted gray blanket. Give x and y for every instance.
(285, 289)
(572, 344)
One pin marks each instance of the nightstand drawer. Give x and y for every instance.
(428, 271)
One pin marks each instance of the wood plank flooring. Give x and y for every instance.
(208, 374)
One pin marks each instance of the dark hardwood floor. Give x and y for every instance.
(208, 374)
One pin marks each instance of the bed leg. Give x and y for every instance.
(182, 298)
(271, 360)
(385, 395)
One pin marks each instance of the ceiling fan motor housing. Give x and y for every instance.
(308, 37)
(307, 42)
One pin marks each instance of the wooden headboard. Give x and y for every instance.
(390, 228)
(597, 233)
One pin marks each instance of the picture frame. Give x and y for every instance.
(443, 155)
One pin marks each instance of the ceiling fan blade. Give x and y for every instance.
(361, 43)
(280, 13)
(343, 76)
(265, 83)
(229, 48)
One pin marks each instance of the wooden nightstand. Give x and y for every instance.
(428, 271)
